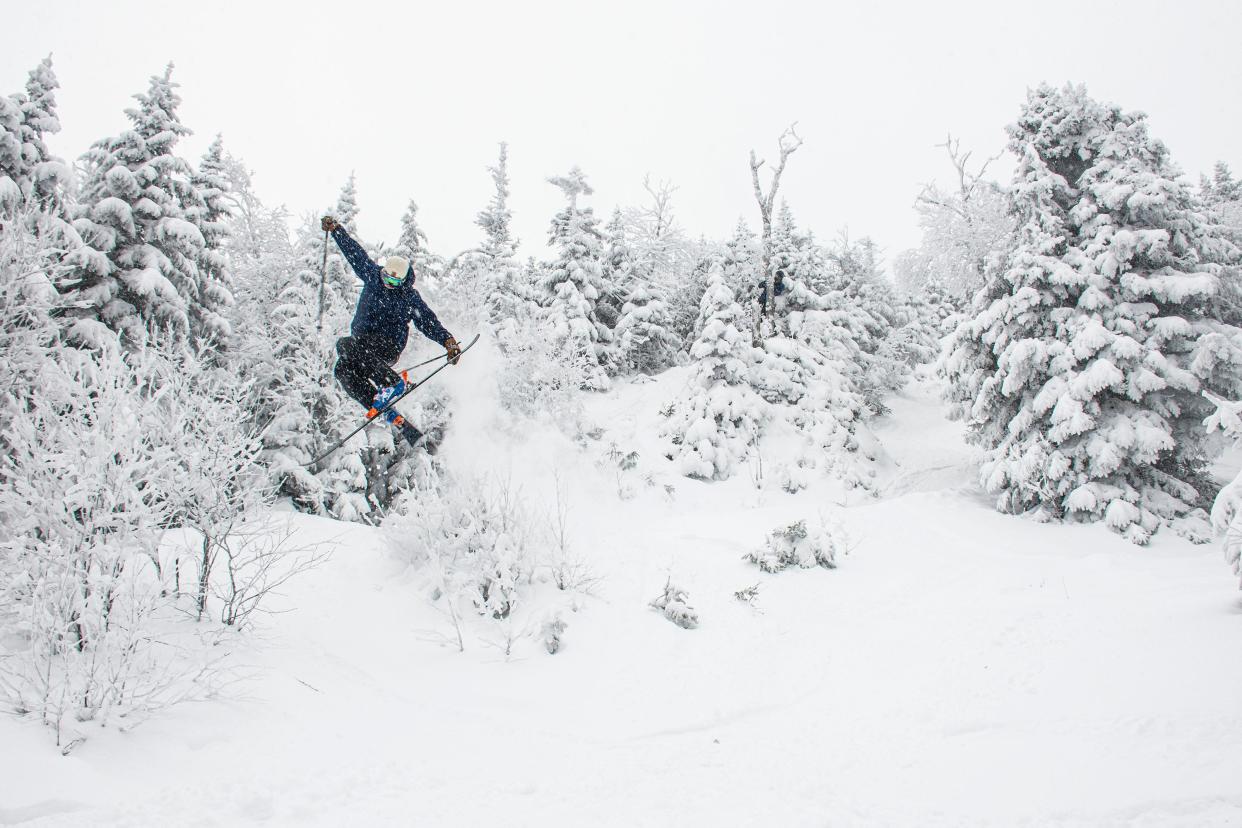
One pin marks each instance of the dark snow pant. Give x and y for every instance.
(364, 365)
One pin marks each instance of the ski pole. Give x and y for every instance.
(421, 364)
(323, 278)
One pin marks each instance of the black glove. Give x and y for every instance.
(454, 350)
(328, 224)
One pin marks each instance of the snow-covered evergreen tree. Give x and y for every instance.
(867, 306)
(810, 376)
(1226, 511)
(1221, 187)
(211, 213)
(621, 269)
(139, 264)
(28, 170)
(644, 341)
(574, 284)
(687, 318)
(12, 165)
(1224, 195)
(306, 345)
(742, 261)
(498, 241)
(659, 248)
(27, 301)
(1081, 371)
(633, 307)
(340, 286)
(280, 345)
(711, 429)
(503, 289)
(412, 245)
(346, 212)
(915, 340)
(411, 240)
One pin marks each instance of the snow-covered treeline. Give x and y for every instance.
(168, 344)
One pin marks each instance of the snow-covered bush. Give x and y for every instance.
(569, 571)
(87, 485)
(241, 555)
(645, 342)
(552, 633)
(478, 537)
(538, 377)
(1081, 371)
(1227, 508)
(490, 562)
(748, 595)
(674, 603)
(791, 477)
(619, 463)
(798, 545)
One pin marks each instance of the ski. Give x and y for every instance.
(380, 412)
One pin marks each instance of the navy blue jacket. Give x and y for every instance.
(383, 311)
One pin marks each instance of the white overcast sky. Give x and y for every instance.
(413, 97)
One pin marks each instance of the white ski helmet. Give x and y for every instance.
(395, 271)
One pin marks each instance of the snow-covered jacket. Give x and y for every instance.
(383, 311)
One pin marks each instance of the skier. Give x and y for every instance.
(779, 283)
(378, 334)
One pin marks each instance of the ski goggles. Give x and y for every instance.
(391, 279)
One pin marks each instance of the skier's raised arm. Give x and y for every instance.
(353, 252)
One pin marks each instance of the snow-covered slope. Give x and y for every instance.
(959, 667)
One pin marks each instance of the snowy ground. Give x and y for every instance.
(960, 667)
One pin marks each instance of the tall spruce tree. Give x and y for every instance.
(412, 244)
(498, 241)
(574, 284)
(1082, 371)
(212, 214)
(138, 267)
(502, 287)
(621, 268)
(28, 170)
(340, 286)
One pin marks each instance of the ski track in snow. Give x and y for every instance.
(959, 668)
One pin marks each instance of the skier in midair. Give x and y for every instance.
(380, 328)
